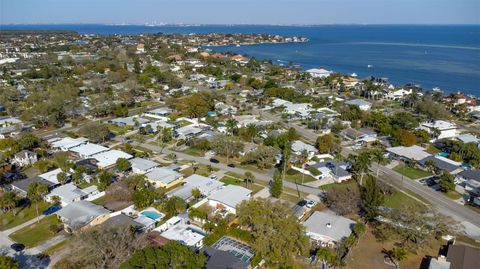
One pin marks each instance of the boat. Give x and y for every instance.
(238, 45)
(369, 66)
(354, 75)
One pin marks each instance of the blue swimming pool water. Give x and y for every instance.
(152, 215)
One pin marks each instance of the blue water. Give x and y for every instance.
(152, 215)
(432, 56)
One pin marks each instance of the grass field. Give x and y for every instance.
(412, 173)
(9, 220)
(194, 152)
(36, 233)
(398, 199)
(233, 181)
(293, 175)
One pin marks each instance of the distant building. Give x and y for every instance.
(24, 158)
(319, 72)
(360, 103)
(445, 129)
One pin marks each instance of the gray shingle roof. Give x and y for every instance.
(78, 214)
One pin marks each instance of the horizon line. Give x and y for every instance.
(244, 24)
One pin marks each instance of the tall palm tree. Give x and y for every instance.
(362, 164)
(231, 125)
(35, 194)
(303, 159)
(380, 159)
(8, 201)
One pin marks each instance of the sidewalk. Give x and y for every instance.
(23, 225)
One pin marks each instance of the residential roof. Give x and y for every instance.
(183, 232)
(68, 192)
(78, 214)
(51, 175)
(470, 174)
(219, 259)
(231, 195)
(463, 257)
(358, 102)
(143, 164)
(120, 220)
(130, 120)
(108, 158)
(187, 130)
(68, 142)
(467, 138)
(440, 163)
(331, 165)
(328, 224)
(163, 175)
(204, 184)
(413, 152)
(439, 124)
(161, 111)
(24, 183)
(299, 146)
(89, 149)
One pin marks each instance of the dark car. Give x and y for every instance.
(302, 203)
(52, 210)
(18, 247)
(212, 160)
(231, 165)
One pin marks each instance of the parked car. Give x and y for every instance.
(302, 203)
(311, 204)
(212, 160)
(18, 247)
(52, 209)
(231, 165)
(214, 177)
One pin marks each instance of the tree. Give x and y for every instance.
(227, 146)
(262, 156)
(102, 247)
(174, 206)
(372, 198)
(171, 255)
(276, 187)
(144, 197)
(446, 182)
(104, 180)
(231, 126)
(122, 164)
(380, 159)
(196, 193)
(326, 256)
(165, 135)
(36, 192)
(326, 143)
(396, 255)
(8, 201)
(62, 178)
(361, 164)
(277, 234)
(29, 140)
(344, 199)
(7, 262)
(94, 131)
(249, 178)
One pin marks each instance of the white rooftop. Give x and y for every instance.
(108, 158)
(163, 175)
(413, 152)
(51, 176)
(440, 124)
(68, 142)
(184, 233)
(299, 146)
(330, 225)
(88, 150)
(143, 164)
(204, 184)
(231, 195)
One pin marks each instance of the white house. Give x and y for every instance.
(24, 158)
(67, 143)
(319, 72)
(446, 129)
(229, 197)
(205, 185)
(360, 103)
(142, 166)
(180, 230)
(328, 229)
(299, 146)
(69, 193)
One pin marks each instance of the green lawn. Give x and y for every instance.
(184, 123)
(9, 220)
(100, 201)
(202, 170)
(412, 173)
(233, 181)
(118, 130)
(85, 184)
(397, 199)
(60, 246)
(293, 175)
(36, 233)
(453, 195)
(194, 152)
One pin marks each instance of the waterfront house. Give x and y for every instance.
(445, 129)
(319, 72)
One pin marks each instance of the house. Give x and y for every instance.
(88, 150)
(81, 213)
(225, 109)
(439, 263)
(277, 102)
(298, 110)
(228, 253)
(468, 138)
(118, 219)
(51, 176)
(24, 158)
(398, 94)
(187, 132)
(463, 257)
(414, 152)
(319, 72)
(360, 103)
(162, 177)
(161, 113)
(445, 129)
(299, 146)
(180, 230)
(360, 136)
(205, 185)
(443, 164)
(70, 193)
(328, 229)
(228, 198)
(21, 186)
(468, 175)
(9, 126)
(133, 121)
(156, 125)
(142, 166)
(329, 169)
(67, 143)
(108, 159)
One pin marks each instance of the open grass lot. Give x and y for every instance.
(368, 254)
(118, 130)
(194, 152)
(85, 184)
(295, 176)
(9, 220)
(453, 195)
(100, 201)
(398, 199)
(233, 181)
(202, 170)
(412, 173)
(36, 233)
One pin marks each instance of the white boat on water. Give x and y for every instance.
(437, 89)
(238, 45)
(354, 75)
(369, 66)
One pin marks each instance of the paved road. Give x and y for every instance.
(201, 160)
(443, 204)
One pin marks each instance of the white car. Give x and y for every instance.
(310, 204)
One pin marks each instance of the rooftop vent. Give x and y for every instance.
(329, 225)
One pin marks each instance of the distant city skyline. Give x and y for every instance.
(303, 12)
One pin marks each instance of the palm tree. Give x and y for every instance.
(249, 178)
(325, 255)
(303, 159)
(231, 125)
(194, 167)
(35, 194)
(8, 201)
(252, 131)
(380, 159)
(362, 164)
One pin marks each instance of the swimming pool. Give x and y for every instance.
(152, 215)
(443, 154)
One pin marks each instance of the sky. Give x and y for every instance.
(240, 12)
